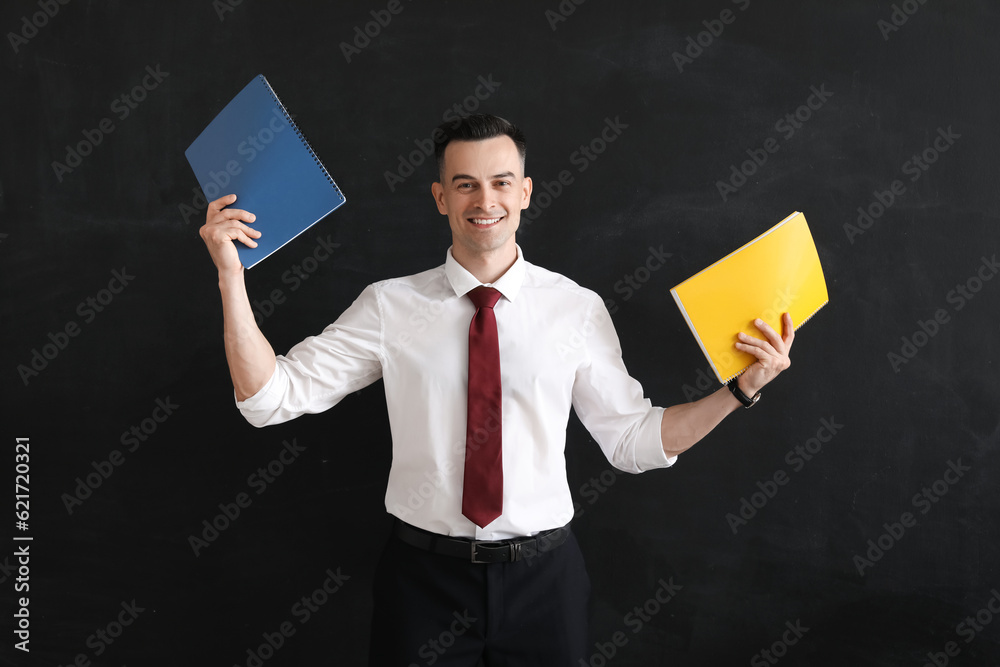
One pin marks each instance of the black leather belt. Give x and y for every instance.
(475, 551)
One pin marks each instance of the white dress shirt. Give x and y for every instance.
(558, 348)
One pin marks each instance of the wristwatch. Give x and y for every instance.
(747, 401)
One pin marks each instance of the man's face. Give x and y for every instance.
(482, 191)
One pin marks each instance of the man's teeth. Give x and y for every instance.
(488, 221)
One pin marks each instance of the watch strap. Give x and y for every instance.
(747, 401)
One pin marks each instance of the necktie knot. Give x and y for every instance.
(484, 297)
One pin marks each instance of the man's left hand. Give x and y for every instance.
(771, 353)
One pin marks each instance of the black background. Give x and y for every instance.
(122, 208)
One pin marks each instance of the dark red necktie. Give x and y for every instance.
(482, 491)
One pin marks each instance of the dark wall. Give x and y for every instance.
(880, 534)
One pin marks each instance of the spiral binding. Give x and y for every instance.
(298, 132)
(806, 319)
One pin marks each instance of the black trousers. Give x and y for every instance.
(432, 609)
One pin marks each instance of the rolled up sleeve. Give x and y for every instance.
(611, 404)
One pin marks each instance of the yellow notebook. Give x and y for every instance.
(776, 272)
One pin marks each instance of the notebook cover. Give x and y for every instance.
(776, 272)
(254, 149)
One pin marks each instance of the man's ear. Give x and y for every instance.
(526, 193)
(437, 191)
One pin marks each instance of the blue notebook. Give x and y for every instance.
(254, 149)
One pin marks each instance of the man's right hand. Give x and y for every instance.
(222, 227)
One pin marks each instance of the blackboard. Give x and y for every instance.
(848, 519)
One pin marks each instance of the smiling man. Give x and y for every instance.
(483, 198)
(482, 359)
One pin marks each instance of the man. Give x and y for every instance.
(479, 383)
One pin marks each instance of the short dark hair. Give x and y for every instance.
(476, 127)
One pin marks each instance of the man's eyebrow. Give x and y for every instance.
(466, 177)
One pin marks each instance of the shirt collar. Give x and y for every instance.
(463, 282)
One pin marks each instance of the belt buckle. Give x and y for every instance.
(473, 558)
(514, 554)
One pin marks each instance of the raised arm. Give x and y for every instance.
(250, 356)
(685, 424)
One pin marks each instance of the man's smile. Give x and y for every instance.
(485, 222)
